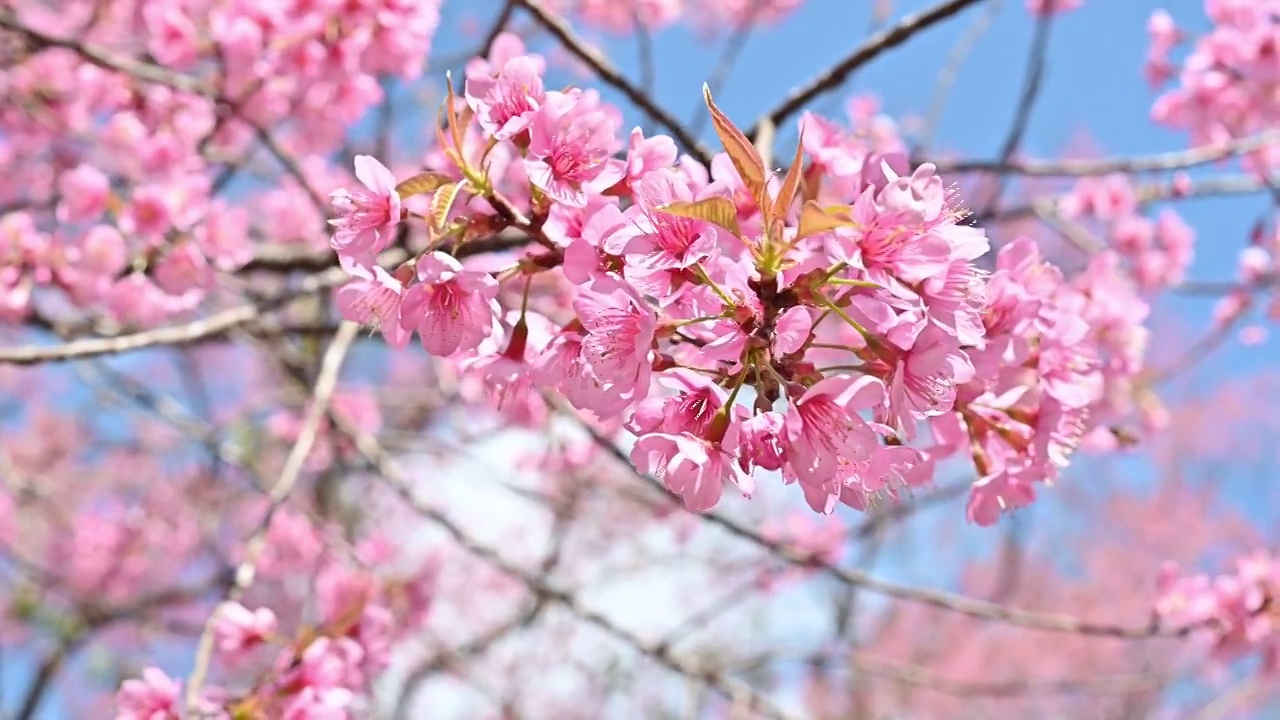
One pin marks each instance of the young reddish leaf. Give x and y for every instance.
(423, 182)
(815, 219)
(812, 183)
(740, 150)
(790, 184)
(715, 209)
(443, 141)
(442, 202)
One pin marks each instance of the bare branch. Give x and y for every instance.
(1161, 162)
(326, 383)
(925, 596)
(865, 53)
(391, 473)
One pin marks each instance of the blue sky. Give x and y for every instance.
(1093, 82)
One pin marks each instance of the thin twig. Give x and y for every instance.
(917, 676)
(926, 596)
(1160, 162)
(194, 331)
(871, 49)
(326, 383)
(951, 71)
(1032, 82)
(733, 47)
(391, 473)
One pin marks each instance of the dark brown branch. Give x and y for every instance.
(868, 51)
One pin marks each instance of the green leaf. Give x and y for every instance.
(716, 209)
(423, 182)
(815, 219)
(442, 203)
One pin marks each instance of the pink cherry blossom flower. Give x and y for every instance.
(823, 432)
(84, 190)
(693, 467)
(452, 309)
(570, 151)
(924, 381)
(155, 696)
(312, 703)
(174, 40)
(996, 493)
(645, 155)
(597, 252)
(620, 330)
(375, 297)
(667, 241)
(367, 217)
(506, 104)
(239, 629)
(760, 442)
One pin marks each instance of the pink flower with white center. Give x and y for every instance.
(367, 218)
(505, 104)
(452, 309)
(84, 191)
(571, 148)
(891, 244)
(620, 330)
(924, 381)
(153, 697)
(667, 241)
(374, 298)
(823, 432)
(239, 629)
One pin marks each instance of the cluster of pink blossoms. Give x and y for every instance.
(325, 666)
(1158, 251)
(1238, 609)
(734, 322)
(1227, 84)
(108, 200)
